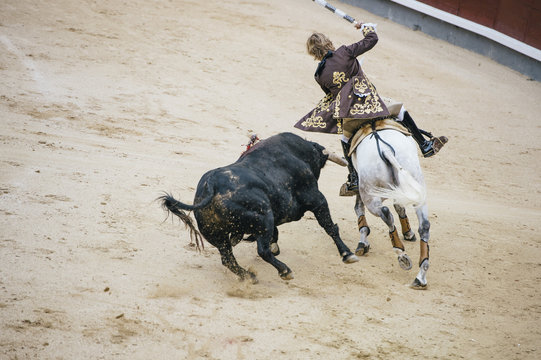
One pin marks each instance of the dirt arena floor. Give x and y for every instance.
(105, 104)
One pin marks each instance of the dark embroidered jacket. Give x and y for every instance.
(349, 93)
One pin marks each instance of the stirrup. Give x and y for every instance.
(438, 142)
(433, 145)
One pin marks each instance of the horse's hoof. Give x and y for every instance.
(416, 285)
(362, 249)
(413, 238)
(288, 275)
(404, 261)
(275, 249)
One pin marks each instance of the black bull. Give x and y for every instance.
(273, 183)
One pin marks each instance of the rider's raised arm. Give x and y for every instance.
(368, 42)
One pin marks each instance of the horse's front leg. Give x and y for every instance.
(420, 282)
(364, 246)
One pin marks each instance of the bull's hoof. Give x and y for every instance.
(350, 258)
(251, 276)
(288, 275)
(417, 285)
(362, 249)
(275, 249)
(345, 190)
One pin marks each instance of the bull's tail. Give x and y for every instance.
(170, 204)
(406, 191)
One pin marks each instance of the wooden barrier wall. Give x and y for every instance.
(519, 19)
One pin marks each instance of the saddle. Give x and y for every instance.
(367, 127)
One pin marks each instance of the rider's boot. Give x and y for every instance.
(351, 186)
(428, 147)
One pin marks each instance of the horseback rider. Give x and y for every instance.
(351, 99)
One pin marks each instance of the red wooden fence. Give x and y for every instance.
(519, 19)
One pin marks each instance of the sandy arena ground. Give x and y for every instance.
(105, 104)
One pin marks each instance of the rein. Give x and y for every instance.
(378, 139)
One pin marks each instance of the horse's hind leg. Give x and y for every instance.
(409, 235)
(364, 246)
(229, 261)
(377, 208)
(424, 232)
(403, 259)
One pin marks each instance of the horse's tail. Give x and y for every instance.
(406, 190)
(171, 205)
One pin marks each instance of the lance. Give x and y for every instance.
(338, 12)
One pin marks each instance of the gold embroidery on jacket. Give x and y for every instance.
(370, 105)
(360, 86)
(369, 102)
(337, 107)
(317, 121)
(324, 103)
(339, 78)
(314, 121)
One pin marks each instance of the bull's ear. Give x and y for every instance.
(335, 158)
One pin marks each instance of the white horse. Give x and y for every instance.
(388, 167)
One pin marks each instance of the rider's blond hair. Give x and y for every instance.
(318, 45)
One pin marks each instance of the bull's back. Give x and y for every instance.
(247, 185)
(240, 192)
(273, 176)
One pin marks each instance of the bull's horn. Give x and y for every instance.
(335, 158)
